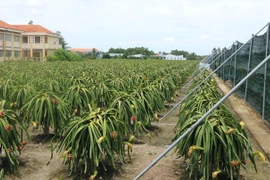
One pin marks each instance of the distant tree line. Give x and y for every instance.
(187, 55)
(148, 53)
(130, 51)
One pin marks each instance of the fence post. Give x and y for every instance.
(200, 120)
(248, 68)
(265, 75)
(223, 67)
(235, 58)
(231, 62)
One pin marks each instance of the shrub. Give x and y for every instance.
(64, 55)
(93, 142)
(11, 140)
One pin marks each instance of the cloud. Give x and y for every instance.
(129, 43)
(205, 37)
(32, 2)
(169, 39)
(36, 12)
(156, 24)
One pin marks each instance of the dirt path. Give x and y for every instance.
(169, 167)
(33, 163)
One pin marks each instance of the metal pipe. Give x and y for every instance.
(208, 75)
(230, 66)
(154, 162)
(235, 64)
(203, 117)
(175, 106)
(223, 67)
(265, 75)
(248, 66)
(204, 80)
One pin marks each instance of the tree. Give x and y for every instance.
(30, 22)
(91, 55)
(189, 56)
(116, 50)
(62, 40)
(132, 51)
(106, 56)
(179, 52)
(65, 55)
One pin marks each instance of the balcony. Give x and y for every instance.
(17, 44)
(40, 46)
(53, 46)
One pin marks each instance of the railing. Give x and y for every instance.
(256, 90)
(40, 46)
(221, 66)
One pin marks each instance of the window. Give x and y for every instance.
(1, 36)
(17, 38)
(8, 37)
(46, 39)
(37, 39)
(1, 53)
(8, 53)
(24, 39)
(17, 53)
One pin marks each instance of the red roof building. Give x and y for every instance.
(33, 28)
(7, 26)
(84, 50)
(28, 42)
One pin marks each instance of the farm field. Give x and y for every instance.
(100, 114)
(93, 110)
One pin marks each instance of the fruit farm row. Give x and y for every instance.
(95, 108)
(219, 146)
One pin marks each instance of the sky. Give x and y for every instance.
(161, 25)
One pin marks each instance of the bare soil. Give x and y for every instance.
(35, 157)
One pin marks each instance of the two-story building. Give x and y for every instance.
(27, 42)
(10, 42)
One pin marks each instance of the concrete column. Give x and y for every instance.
(4, 45)
(2, 34)
(43, 49)
(31, 47)
(12, 45)
(21, 53)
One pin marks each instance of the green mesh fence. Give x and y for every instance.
(238, 65)
(267, 102)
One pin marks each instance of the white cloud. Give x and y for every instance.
(205, 37)
(36, 12)
(129, 43)
(184, 24)
(169, 39)
(32, 2)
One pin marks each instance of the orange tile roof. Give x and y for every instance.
(33, 28)
(83, 50)
(6, 25)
